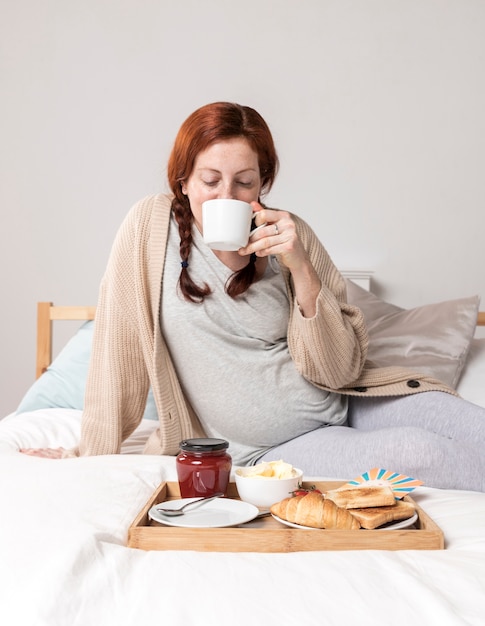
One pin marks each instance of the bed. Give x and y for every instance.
(64, 524)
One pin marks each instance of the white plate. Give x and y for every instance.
(217, 513)
(405, 523)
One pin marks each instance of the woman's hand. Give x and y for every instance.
(279, 237)
(46, 453)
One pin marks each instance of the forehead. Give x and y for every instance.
(235, 152)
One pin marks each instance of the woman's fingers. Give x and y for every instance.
(46, 453)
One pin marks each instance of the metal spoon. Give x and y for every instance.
(181, 510)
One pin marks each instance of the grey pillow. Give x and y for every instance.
(433, 339)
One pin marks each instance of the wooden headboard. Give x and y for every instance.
(47, 313)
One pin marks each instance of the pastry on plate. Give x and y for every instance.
(315, 511)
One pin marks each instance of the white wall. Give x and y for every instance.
(377, 108)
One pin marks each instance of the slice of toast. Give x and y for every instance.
(362, 497)
(374, 517)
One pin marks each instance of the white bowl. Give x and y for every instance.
(263, 491)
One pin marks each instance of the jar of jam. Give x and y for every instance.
(203, 467)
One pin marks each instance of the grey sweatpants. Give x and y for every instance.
(432, 436)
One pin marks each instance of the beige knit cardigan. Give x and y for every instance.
(130, 354)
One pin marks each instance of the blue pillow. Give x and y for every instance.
(64, 382)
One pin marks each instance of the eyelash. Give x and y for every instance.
(213, 183)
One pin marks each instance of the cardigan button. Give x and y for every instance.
(413, 384)
(360, 389)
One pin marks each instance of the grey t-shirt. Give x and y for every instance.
(232, 357)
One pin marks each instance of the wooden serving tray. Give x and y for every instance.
(268, 535)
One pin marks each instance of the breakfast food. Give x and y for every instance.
(270, 469)
(362, 497)
(344, 509)
(267, 483)
(315, 511)
(374, 517)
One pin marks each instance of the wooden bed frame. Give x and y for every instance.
(47, 313)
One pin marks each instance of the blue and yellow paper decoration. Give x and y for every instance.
(401, 484)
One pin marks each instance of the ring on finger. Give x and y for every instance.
(276, 229)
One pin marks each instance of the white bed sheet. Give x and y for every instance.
(63, 530)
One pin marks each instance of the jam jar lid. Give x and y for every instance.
(203, 444)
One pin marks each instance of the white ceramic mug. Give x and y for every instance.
(226, 223)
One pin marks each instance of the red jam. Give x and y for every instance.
(203, 467)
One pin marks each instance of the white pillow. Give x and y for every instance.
(434, 338)
(472, 381)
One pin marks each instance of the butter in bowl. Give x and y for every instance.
(267, 483)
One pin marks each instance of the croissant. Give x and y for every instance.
(313, 510)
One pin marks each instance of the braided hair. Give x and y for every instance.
(212, 123)
(184, 218)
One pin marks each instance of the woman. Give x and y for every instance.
(256, 346)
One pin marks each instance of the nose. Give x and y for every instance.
(227, 191)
